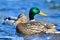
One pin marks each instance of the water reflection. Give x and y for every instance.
(45, 37)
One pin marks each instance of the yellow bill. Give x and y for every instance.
(42, 13)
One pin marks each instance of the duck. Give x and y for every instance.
(33, 11)
(11, 19)
(23, 17)
(31, 27)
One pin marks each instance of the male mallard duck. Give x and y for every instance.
(33, 12)
(31, 27)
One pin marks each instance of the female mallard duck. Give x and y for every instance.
(10, 20)
(32, 27)
(22, 18)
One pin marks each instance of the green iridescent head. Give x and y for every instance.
(33, 11)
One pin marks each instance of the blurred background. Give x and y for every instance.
(16, 7)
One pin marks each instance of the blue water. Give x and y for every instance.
(15, 7)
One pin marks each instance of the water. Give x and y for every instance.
(15, 7)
